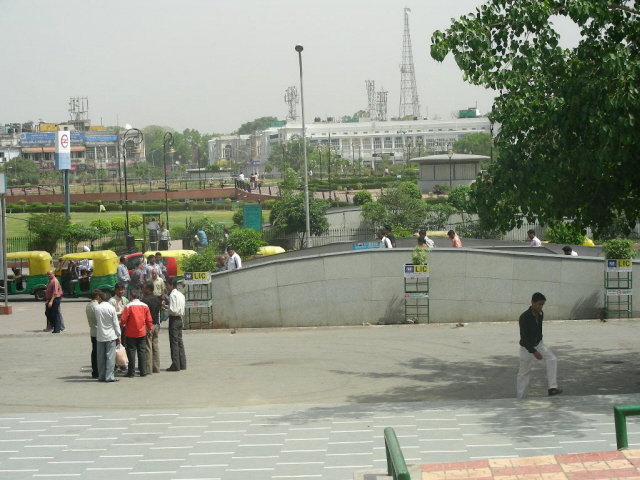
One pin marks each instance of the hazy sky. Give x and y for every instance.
(215, 64)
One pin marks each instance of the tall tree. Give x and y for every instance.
(568, 140)
(474, 143)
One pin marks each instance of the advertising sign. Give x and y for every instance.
(416, 271)
(366, 245)
(619, 265)
(48, 139)
(63, 150)
(197, 278)
(3, 183)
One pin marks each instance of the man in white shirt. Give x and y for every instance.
(234, 261)
(569, 251)
(384, 241)
(107, 337)
(535, 241)
(176, 311)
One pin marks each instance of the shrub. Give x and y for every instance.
(268, 204)
(475, 230)
(204, 261)
(118, 224)
(362, 197)
(245, 241)
(619, 248)
(113, 207)
(562, 232)
(103, 226)
(238, 217)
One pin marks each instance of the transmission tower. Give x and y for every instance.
(409, 104)
(79, 108)
(291, 99)
(381, 105)
(371, 97)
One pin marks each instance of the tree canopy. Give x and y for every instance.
(568, 140)
(288, 215)
(21, 171)
(400, 205)
(256, 125)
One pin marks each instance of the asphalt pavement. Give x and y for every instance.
(304, 403)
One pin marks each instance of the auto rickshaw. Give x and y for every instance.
(29, 273)
(81, 273)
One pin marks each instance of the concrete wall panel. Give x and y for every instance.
(350, 288)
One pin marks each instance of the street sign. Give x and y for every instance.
(63, 150)
(619, 265)
(198, 303)
(619, 292)
(416, 271)
(366, 245)
(197, 278)
(415, 296)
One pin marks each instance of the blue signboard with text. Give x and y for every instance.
(48, 139)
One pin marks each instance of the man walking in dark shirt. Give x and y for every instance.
(532, 348)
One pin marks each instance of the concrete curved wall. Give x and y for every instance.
(356, 287)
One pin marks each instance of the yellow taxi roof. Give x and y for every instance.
(37, 255)
(97, 255)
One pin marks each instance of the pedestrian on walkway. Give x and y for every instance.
(123, 274)
(176, 311)
(535, 241)
(455, 239)
(233, 261)
(107, 337)
(91, 319)
(532, 348)
(53, 296)
(384, 241)
(153, 350)
(136, 320)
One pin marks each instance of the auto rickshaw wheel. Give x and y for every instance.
(39, 294)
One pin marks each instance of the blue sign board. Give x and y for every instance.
(48, 139)
(101, 138)
(366, 245)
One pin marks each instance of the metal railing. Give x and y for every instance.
(396, 465)
(620, 414)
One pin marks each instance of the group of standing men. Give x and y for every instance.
(134, 319)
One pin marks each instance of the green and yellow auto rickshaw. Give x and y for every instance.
(29, 273)
(81, 273)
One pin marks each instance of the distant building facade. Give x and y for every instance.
(363, 143)
(92, 148)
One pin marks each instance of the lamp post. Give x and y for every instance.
(319, 148)
(407, 144)
(419, 146)
(136, 137)
(299, 49)
(166, 141)
(450, 155)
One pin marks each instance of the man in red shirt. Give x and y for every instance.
(137, 318)
(53, 296)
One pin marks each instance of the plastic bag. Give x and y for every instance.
(121, 357)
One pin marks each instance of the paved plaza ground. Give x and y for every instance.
(305, 403)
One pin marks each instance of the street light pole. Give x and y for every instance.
(299, 49)
(167, 140)
(134, 135)
(450, 154)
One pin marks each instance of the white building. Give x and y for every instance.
(363, 140)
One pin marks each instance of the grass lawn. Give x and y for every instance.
(17, 222)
